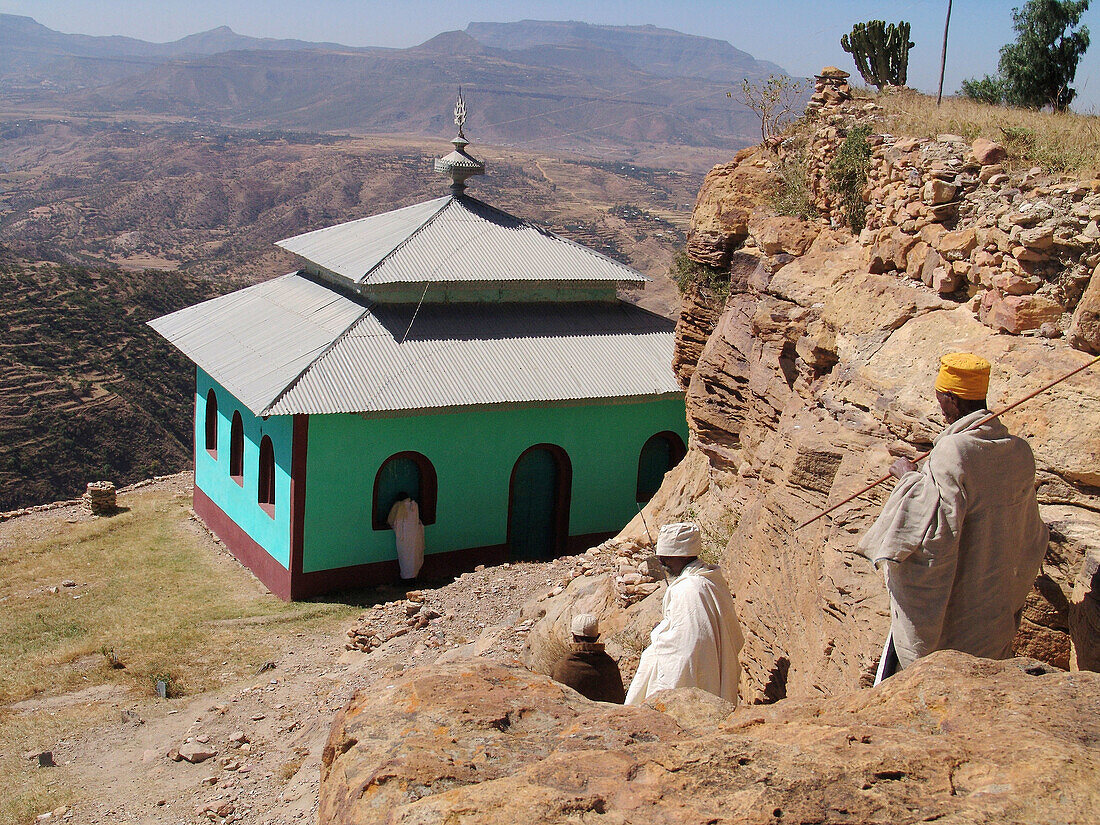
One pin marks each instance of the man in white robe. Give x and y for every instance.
(408, 531)
(698, 639)
(960, 539)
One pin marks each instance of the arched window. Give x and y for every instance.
(659, 454)
(212, 423)
(236, 449)
(410, 473)
(265, 493)
(538, 503)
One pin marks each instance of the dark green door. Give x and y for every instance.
(659, 455)
(536, 508)
(398, 475)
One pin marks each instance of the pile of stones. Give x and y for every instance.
(367, 634)
(634, 567)
(1023, 245)
(830, 88)
(100, 498)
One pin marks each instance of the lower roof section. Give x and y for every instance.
(292, 345)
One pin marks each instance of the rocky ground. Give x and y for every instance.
(477, 742)
(257, 744)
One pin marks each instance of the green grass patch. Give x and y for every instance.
(692, 276)
(848, 174)
(153, 589)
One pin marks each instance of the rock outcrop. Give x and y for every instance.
(475, 742)
(818, 369)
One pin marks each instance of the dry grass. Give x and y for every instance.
(1059, 143)
(153, 589)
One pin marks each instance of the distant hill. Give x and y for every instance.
(600, 90)
(37, 60)
(661, 52)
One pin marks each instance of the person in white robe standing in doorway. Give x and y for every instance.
(698, 639)
(408, 531)
(960, 538)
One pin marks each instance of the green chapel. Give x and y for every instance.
(449, 350)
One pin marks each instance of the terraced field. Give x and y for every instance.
(87, 391)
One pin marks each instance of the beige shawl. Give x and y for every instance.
(964, 543)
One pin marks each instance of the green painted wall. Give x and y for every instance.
(212, 474)
(473, 454)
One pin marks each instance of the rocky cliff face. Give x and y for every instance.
(817, 370)
(475, 742)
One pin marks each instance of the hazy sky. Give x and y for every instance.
(799, 35)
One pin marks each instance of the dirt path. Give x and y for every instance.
(121, 767)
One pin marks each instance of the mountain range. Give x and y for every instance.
(598, 90)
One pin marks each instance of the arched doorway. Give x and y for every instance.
(660, 454)
(410, 473)
(538, 503)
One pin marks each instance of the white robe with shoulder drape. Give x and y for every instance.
(697, 641)
(962, 542)
(408, 533)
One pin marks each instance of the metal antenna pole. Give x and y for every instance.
(976, 424)
(943, 54)
(646, 526)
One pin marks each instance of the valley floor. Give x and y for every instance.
(171, 602)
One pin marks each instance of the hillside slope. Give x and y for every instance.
(87, 391)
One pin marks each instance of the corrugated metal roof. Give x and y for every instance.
(352, 249)
(453, 239)
(474, 354)
(257, 340)
(294, 346)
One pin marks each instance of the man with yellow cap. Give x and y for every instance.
(960, 538)
(698, 639)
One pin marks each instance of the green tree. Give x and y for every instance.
(1037, 69)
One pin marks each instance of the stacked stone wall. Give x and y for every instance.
(1022, 245)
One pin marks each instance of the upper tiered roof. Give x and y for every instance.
(454, 239)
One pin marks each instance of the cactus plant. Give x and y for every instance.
(881, 52)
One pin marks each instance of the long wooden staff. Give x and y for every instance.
(976, 424)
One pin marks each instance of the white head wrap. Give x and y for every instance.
(585, 624)
(679, 539)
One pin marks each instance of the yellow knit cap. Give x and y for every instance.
(963, 375)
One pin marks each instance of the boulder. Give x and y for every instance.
(1084, 330)
(720, 220)
(1017, 313)
(957, 245)
(987, 152)
(952, 739)
(1010, 283)
(1084, 614)
(196, 752)
(945, 280)
(891, 250)
(937, 192)
(781, 233)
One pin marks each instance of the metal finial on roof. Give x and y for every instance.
(459, 164)
(460, 112)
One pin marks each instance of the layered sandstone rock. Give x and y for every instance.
(953, 739)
